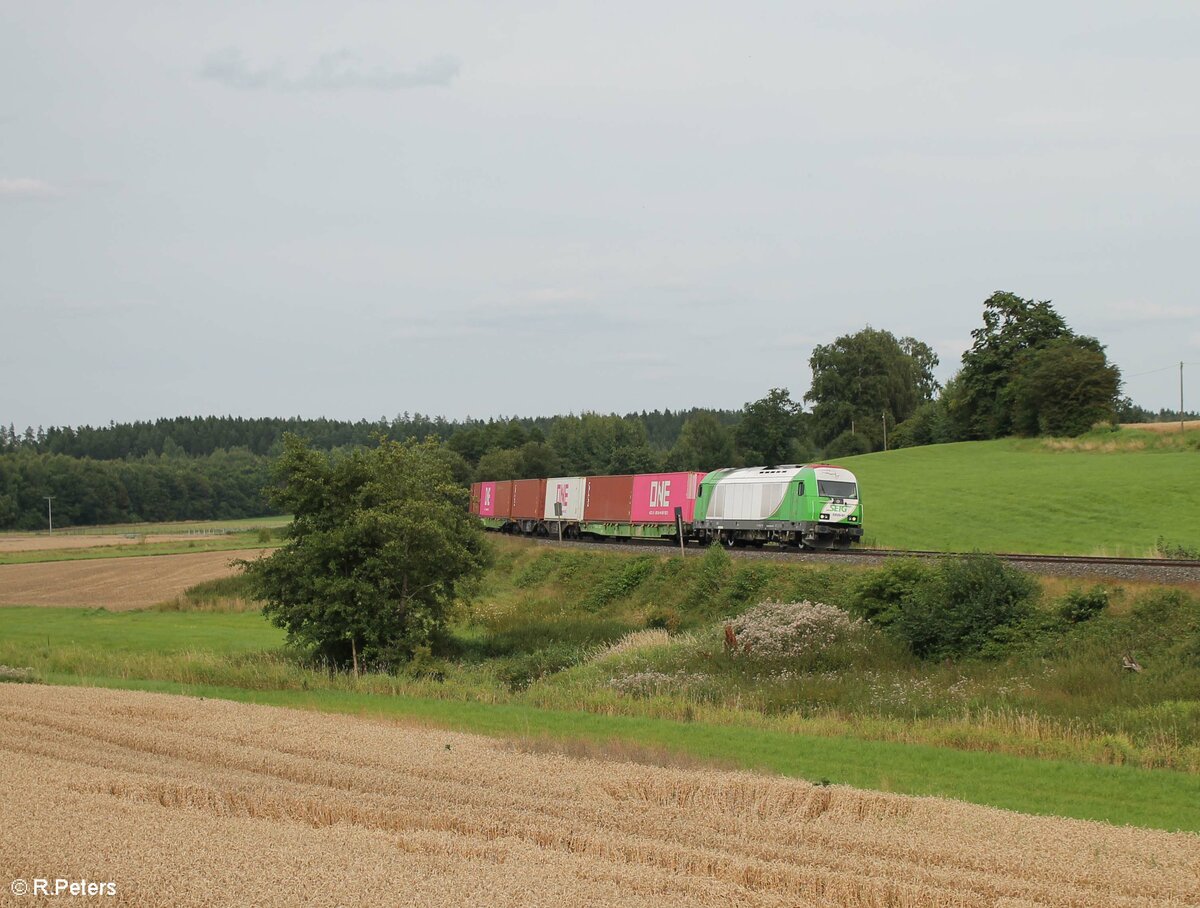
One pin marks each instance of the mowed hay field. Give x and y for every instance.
(44, 542)
(1188, 426)
(180, 801)
(113, 583)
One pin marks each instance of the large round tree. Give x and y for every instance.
(861, 379)
(380, 545)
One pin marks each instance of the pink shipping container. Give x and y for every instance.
(607, 499)
(657, 495)
(495, 499)
(487, 499)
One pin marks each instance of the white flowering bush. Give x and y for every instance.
(791, 631)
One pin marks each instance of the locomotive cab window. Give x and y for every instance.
(800, 488)
(832, 488)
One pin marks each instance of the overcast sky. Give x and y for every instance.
(356, 209)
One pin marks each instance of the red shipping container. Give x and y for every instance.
(608, 499)
(528, 499)
(503, 499)
(476, 492)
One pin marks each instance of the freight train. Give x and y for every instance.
(813, 506)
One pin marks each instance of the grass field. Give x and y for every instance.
(35, 631)
(1018, 495)
(308, 809)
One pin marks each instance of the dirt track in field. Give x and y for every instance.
(50, 542)
(181, 801)
(117, 584)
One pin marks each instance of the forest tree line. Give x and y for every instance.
(1027, 373)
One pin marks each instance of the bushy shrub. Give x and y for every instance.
(664, 617)
(619, 581)
(793, 632)
(1078, 606)
(715, 566)
(880, 595)
(848, 444)
(967, 604)
(535, 572)
(929, 425)
(746, 584)
(518, 672)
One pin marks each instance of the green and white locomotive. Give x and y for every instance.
(815, 506)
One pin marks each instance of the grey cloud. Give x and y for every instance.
(1138, 311)
(339, 71)
(26, 188)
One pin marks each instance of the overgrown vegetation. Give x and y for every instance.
(830, 651)
(1176, 550)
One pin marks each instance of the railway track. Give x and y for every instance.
(1158, 570)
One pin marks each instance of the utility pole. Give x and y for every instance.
(885, 430)
(50, 511)
(1181, 397)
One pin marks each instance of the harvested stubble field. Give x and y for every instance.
(1188, 425)
(188, 802)
(51, 542)
(113, 583)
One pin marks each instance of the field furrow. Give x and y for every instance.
(176, 799)
(114, 583)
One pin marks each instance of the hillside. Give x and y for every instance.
(1028, 495)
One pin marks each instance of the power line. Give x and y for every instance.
(1171, 367)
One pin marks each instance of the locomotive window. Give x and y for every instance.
(829, 488)
(800, 488)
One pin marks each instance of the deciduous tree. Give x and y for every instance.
(860, 377)
(704, 444)
(1063, 388)
(1012, 326)
(379, 546)
(769, 428)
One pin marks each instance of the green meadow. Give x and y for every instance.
(1091, 496)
